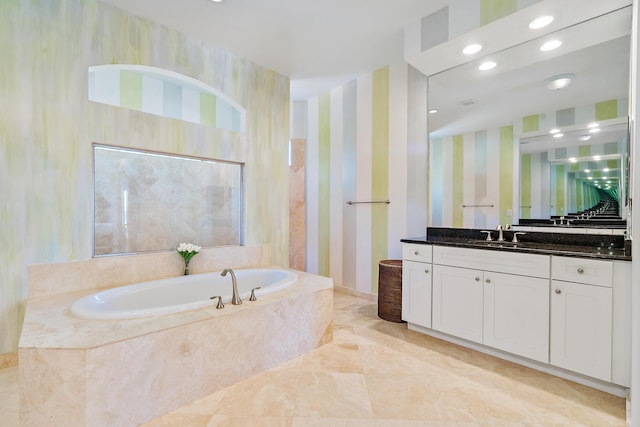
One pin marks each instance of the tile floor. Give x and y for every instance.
(380, 374)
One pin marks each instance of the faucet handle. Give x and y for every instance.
(253, 293)
(220, 303)
(515, 236)
(489, 238)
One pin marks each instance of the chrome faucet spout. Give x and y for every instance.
(235, 299)
(500, 233)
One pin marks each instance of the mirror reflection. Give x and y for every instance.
(489, 126)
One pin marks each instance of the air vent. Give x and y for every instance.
(467, 102)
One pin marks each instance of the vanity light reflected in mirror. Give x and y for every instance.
(472, 140)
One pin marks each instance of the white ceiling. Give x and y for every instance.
(317, 44)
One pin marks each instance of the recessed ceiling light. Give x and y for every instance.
(593, 125)
(550, 45)
(589, 177)
(559, 81)
(433, 111)
(594, 130)
(540, 22)
(573, 159)
(587, 170)
(472, 48)
(584, 138)
(487, 66)
(554, 130)
(596, 158)
(558, 135)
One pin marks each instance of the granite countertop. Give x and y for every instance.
(586, 246)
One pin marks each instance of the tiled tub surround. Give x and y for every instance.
(78, 372)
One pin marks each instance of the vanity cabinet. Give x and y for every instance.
(503, 303)
(581, 316)
(416, 284)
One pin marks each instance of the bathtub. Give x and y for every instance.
(178, 294)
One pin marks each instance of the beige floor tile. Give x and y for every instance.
(332, 422)
(344, 358)
(380, 374)
(179, 420)
(9, 403)
(333, 395)
(270, 394)
(228, 421)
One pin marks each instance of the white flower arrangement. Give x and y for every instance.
(187, 251)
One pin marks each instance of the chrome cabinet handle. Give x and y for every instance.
(477, 279)
(580, 270)
(558, 291)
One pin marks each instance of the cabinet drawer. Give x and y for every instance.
(416, 252)
(581, 270)
(533, 265)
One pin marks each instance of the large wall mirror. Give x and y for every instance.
(508, 144)
(147, 201)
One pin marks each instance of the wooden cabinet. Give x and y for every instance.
(416, 293)
(416, 284)
(569, 312)
(581, 316)
(504, 311)
(457, 302)
(516, 315)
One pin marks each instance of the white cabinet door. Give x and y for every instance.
(581, 328)
(457, 302)
(516, 315)
(416, 293)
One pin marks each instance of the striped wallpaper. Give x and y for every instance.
(471, 179)
(164, 93)
(47, 131)
(567, 193)
(474, 179)
(357, 151)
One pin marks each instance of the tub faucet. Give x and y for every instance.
(235, 299)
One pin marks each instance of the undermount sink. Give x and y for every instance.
(495, 243)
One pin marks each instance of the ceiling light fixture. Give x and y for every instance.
(487, 66)
(558, 135)
(587, 170)
(559, 81)
(472, 48)
(605, 170)
(550, 45)
(584, 138)
(573, 160)
(554, 130)
(589, 177)
(596, 158)
(593, 125)
(540, 22)
(433, 111)
(217, 1)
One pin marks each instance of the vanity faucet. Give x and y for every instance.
(235, 299)
(500, 233)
